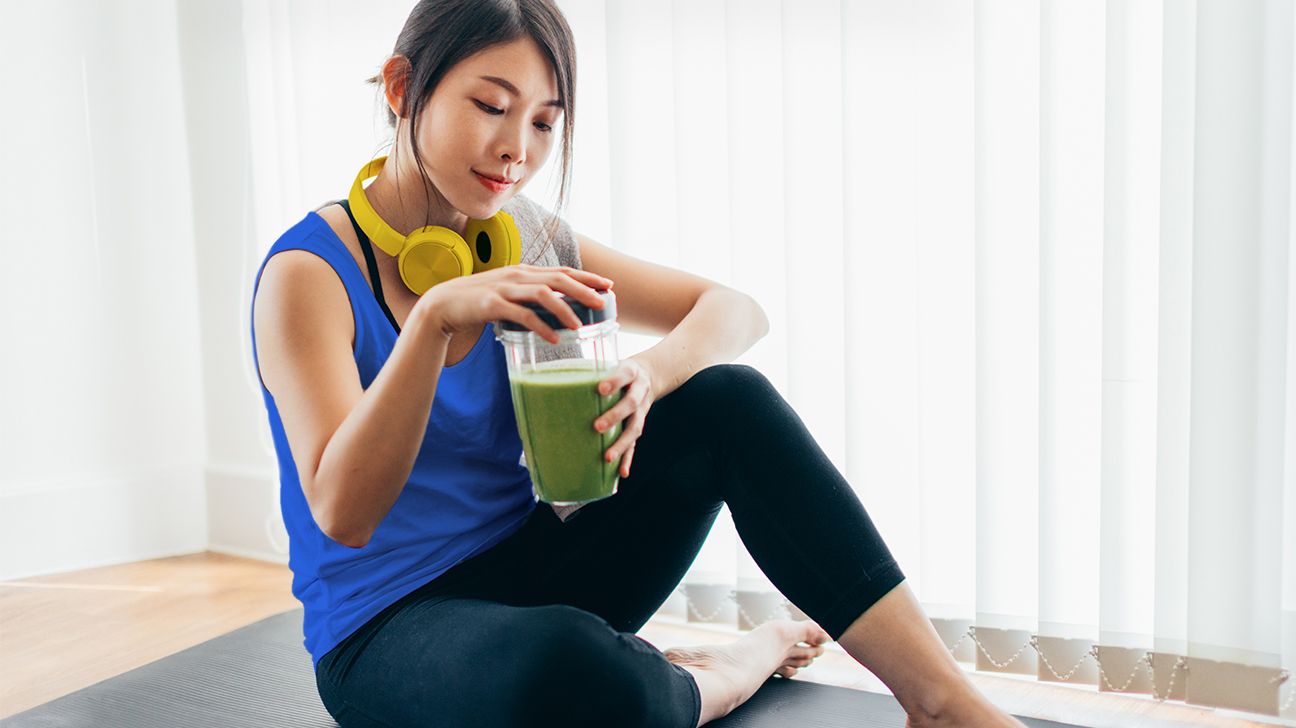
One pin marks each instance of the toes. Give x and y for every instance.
(802, 656)
(805, 652)
(816, 635)
(811, 633)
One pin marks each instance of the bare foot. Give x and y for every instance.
(970, 707)
(729, 674)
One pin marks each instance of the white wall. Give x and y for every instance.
(241, 475)
(102, 433)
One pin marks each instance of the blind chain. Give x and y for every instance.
(1145, 662)
(1034, 642)
(962, 637)
(779, 610)
(1182, 662)
(1146, 659)
(1000, 665)
(1291, 694)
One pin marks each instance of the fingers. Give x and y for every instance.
(574, 282)
(530, 319)
(623, 375)
(592, 280)
(498, 293)
(545, 296)
(630, 401)
(629, 433)
(632, 405)
(577, 290)
(633, 402)
(627, 439)
(547, 285)
(625, 462)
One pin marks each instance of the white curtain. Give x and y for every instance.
(1027, 264)
(102, 436)
(1027, 269)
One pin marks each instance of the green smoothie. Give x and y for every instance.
(556, 406)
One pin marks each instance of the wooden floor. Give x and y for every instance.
(63, 632)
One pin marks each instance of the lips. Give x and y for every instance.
(494, 178)
(493, 183)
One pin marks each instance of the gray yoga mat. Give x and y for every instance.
(261, 676)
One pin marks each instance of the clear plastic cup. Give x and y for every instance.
(556, 400)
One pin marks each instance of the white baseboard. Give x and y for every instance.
(145, 515)
(243, 517)
(272, 557)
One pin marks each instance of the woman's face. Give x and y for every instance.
(494, 115)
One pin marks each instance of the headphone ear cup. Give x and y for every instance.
(494, 243)
(433, 255)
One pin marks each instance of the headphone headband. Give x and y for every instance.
(382, 234)
(435, 254)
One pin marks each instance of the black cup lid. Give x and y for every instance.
(583, 312)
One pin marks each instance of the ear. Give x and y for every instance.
(395, 75)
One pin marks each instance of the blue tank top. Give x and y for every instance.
(466, 492)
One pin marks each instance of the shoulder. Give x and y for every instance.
(521, 206)
(299, 289)
(547, 239)
(337, 221)
(303, 251)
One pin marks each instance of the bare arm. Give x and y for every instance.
(354, 448)
(703, 322)
(722, 324)
(369, 458)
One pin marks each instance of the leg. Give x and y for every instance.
(897, 642)
(727, 435)
(621, 557)
(457, 661)
(875, 617)
(724, 436)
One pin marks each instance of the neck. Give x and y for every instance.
(407, 202)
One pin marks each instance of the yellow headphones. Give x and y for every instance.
(435, 254)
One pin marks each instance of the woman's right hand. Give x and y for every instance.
(463, 304)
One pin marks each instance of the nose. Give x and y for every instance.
(511, 143)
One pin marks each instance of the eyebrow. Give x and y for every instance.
(514, 89)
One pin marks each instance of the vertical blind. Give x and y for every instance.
(1027, 267)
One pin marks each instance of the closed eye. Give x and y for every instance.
(546, 128)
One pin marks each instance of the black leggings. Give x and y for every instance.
(539, 629)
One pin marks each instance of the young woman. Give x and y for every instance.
(436, 590)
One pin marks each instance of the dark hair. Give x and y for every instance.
(440, 33)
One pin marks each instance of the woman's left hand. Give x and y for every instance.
(635, 377)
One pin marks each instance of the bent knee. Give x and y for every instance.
(579, 672)
(565, 647)
(728, 386)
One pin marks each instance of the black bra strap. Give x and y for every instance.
(367, 248)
